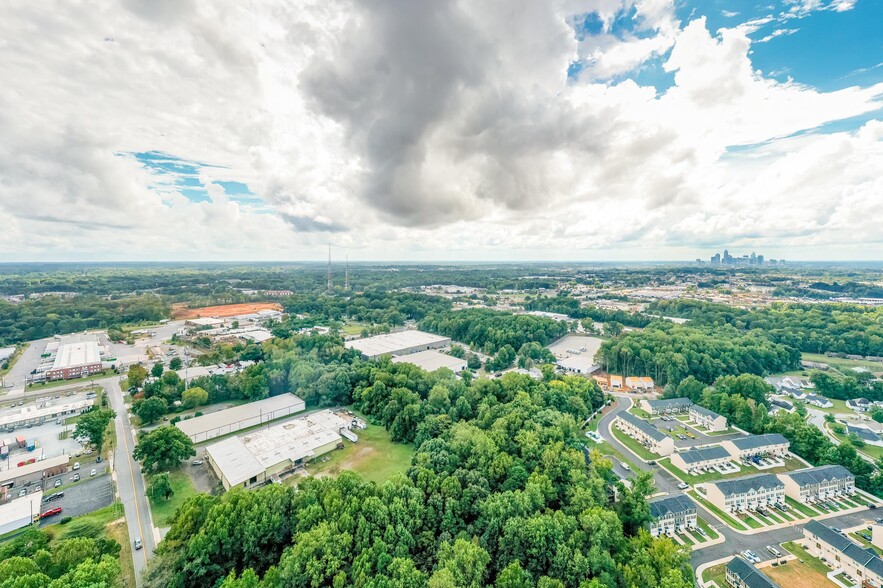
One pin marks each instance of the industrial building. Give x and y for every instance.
(709, 419)
(6, 353)
(77, 356)
(750, 445)
(645, 433)
(14, 478)
(672, 514)
(746, 493)
(224, 422)
(578, 364)
(862, 563)
(432, 360)
(267, 454)
(667, 405)
(820, 483)
(20, 513)
(401, 343)
(703, 458)
(34, 415)
(741, 573)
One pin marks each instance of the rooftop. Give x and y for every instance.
(669, 403)
(20, 508)
(758, 441)
(252, 410)
(432, 360)
(583, 363)
(13, 473)
(863, 433)
(294, 439)
(820, 474)
(674, 504)
(235, 460)
(704, 454)
(394, 343)
(76, 354)
(749, 574)
(865, 557)
(704, 411)
(742, 485)
(642, 425)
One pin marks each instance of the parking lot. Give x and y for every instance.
(700, 535)
(46, 435)
(81, 498)
(685, 435)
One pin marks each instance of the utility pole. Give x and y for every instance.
(346, 279)
(329, 286)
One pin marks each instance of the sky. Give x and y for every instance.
(440, 130)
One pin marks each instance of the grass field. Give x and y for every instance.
(805, 572)
(843, 364)
(801, 553)
(607, 450)
(87, 525)
(716, 574)
(791, 464)
(632, 444)
(164, 509)
(118, 531)
(703, 524)
(375, 457)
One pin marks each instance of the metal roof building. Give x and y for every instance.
(234, 419)
(20, 513)
(432, 360)
(401, 343)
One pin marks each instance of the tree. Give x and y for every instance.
(194, 396)
(93, 425)
(176, 363)
(150, 410)
(163, 448)
(473, 362)
(137, 375)
(161, 486)
(157, 369)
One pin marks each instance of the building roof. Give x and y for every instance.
(820, 474)
(704, 454)
(819, 399)
(13, 473)
(20, 508)
(205, 321)
(757, 441)
(234, 459)
(749, 574)
(642, 425)
(865, 557)
(582, 363)
(782, 404)
(742, 485)
(29, 413)
(674, 504)
(6, 352)
(863, 433)
(669, 403)
(230, 416)
(431, 360)
(256, 335)
(76, 354)
(704, 411)
(394, 343)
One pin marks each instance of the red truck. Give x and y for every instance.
(22, 442)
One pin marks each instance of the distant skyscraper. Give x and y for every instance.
(753, 259)
(716, 258)
(727, 257)
(760, 260)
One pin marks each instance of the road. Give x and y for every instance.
(734, 542)
(817, 419)
(130, 482)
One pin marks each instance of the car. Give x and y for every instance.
(871, 505)
(683, 486)
(57, 421)
(51, 512)
(76, 477)
(651, 462)
(878, 520)
(138, 544)
(76, 465)
(774, 551)
(56, 496)
(196, 462)
(22, 492)
(752, 556)
(625, 466)
(57, 482)
(93, 472)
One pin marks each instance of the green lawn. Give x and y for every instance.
(375, 457)
(752, 522)
(609, 451)
(632, 444)
(163, 510)
(838, 408)
(842, 364)
(808, 511)
(640, 412)
(873, 451)
(716, 574)
(87, 525)
(801, 553)
(721, 514)
(791, 464)
(712, 534)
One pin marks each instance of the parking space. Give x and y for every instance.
(52, 437)
(82, 498)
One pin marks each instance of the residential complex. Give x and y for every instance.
(672, 514)
(749, 446)
(862, 563)
(667, 405)
(866, 435)
(645, 433)
(746, 493)
(703, 458)
(819, 483)
(707, 418)
(743, 574)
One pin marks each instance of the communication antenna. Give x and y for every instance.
(346, 275)
(329, 285)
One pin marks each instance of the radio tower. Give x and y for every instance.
(329, 285)
(346, 275)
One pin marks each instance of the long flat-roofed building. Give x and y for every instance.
(13, 478)
(820, 483)
(701, 458)
(223, 422)
(432, 360)
(751, 445)
(20, 513)
(742, 574)
(666, 405)
(645, 433)
(746, 493)
(859, 562)
(400, 343)
(77, 356)
(672, 514)
(707, 418)
(256, 457)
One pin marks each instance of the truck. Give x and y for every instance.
(4, 452)
(21, 441)
(32, 444)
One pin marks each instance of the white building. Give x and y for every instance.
(578, 364)
(707, 418)
(432, 360)
(667, 405)
(703, 458)
(746, 493)
(400, 343)
(818, 401)
(645, 433)
(223, 422)
(672, 514)
(748, 446)
(21, 512)
(820, 483)
(862, 563)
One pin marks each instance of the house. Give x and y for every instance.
(751, 445)
(742, 574)
(820, 483)
(818, 401)
(866, 435)
(746, 493)
(862, 563)
(707, 418)
(783, 405)
(639, 383)
(666, 405)
(615, 382)
(672, 514)
(702, 458)
(860, 404)
(645, 433)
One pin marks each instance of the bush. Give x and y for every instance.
(175, 420)
(65, 520)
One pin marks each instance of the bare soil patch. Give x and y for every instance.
(180, 311)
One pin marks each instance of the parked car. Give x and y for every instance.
(196, 462)
(76, 465)
(683, 486)
(774, 551)
(51, 512)
(93, 472)
(752, 556)
(625, 466)
(76, 477)
(138, 544)
(651, 462)
(22, 492)
(57, 482)
(872, 505)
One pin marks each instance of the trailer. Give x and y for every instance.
(32, 444)
(4, 452)
(22, 442)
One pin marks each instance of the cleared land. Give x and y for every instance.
(375, 457)
(180, 311)
(805, 572)
(163, 510)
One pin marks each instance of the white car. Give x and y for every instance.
(76, 465)
(683, 486)
(93, 472)
(625, 466)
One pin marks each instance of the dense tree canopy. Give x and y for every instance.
(490, 330)
(163, 448)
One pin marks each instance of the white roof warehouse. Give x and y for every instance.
(234, 419)
(401, 343)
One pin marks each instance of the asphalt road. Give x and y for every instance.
(29, 360)
(130, 482)
(734, 542)
(82, 498)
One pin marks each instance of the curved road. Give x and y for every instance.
(733, 542)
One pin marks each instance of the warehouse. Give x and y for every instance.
(820, 483)
(645, 433)
(746, 493)
(672, 514)
(667, 406)
(709, 419)
(703, 458)
(266, 454)
(33, 415)
(432, 360)
(77, 356)
(234, 419)
(14, 478)
(20, 513)
(401, 343)
(751, 445)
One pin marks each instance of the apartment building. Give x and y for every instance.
(821, 483)
(667, 405)
(672, 514)
(707, 418)
(861, 563)
(746, 493)
(645, 433)
(701, 458)
(748, 446)
(743, 574)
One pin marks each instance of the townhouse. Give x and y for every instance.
(820, 483)
(746, 493)
(703, 458)
(707, 418)
(861, 563)
(645, 433)
(667, 405)
(743, 574)
(752, 445)
(672, 514)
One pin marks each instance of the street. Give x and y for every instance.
(130, 482)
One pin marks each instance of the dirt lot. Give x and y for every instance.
(797, 575)
(179, 311)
